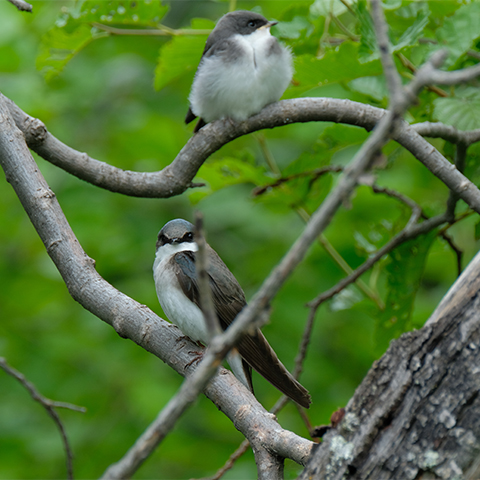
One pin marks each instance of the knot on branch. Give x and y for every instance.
(35, 131)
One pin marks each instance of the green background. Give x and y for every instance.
(104, 103)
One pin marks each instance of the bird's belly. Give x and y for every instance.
(240, 88)
(178, 308)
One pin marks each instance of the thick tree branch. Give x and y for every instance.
(418, 404)
(127, 317)
(177, 177)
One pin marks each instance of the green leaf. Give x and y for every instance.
(73, 30)
(226, 172)
(181, 55)
(368, 50)
(460, 31)
(321, 8)
(404, 273)
(374, 87)
(58, 47)
(293, 28)
(119, 12)
(338, 65)
(413, 33)
(461, 111)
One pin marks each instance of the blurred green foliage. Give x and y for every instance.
(95, 92)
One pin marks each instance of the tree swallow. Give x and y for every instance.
(243, 68)
(177, 290)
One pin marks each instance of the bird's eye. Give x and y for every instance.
(251, 23)
(188, 236)
(162, 239)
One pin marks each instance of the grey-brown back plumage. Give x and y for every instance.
(229, 299)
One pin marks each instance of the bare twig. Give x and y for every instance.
(22, 5)
(394, 82)
(49, 406)
(315, 174)
(205, 292)
(243, 447)
(408, 64)
(447, 132)
(161, 30)
(409, 232)
(460, 155)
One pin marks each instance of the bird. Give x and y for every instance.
(243, 69)
(176, 283)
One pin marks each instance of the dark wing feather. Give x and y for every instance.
(229, 299)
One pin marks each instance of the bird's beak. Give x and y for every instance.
(268, 25)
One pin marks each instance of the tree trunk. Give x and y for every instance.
(416, 414)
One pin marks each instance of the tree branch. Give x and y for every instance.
(22, 5)
(177, 177)
(49, 406)
(408, 415)
(132, 320)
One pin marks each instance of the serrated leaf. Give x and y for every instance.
(404, 274)
(461, 111)
(374, 87)
(460, 31)
(293, 28)
(413, 33)
(322, 8)
(368, 50)
(58, 47)
(227, 172)
(73, 30)
(337, 65)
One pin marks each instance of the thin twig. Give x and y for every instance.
(49, 406)
(242, 448)
(315, 174)
(204, 290)
(407, 233)
(408, 64)
(447, 132)
(161, 30)
(21, 5)
(394, 82)
(460, 156)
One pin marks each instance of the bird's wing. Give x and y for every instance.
(229, 299)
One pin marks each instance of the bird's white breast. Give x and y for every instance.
(177, 307)
(241, 88)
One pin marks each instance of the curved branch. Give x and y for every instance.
(129, 318)
(177, 177)
(447, 132)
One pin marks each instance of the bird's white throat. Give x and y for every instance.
(165, 252)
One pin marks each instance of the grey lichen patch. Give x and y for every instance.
(430, 459)
(350, 423)
(342, 453)
(447, 419)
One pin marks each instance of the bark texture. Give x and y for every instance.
(416, 415)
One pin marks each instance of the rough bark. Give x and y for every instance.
(417, 412)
